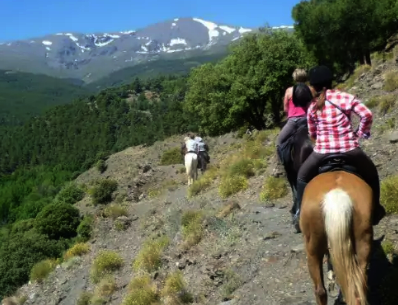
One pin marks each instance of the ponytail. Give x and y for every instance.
(320, 103)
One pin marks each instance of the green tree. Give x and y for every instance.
(342, 32)
(247, 86)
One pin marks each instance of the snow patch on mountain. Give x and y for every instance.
(175, 41)
(227, 29)
(47, 42)
(211, 26)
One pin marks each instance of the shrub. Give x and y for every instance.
(149, 258)
(232, 281)
(106, 287)
(171, 156)
(273, 188)
(84, 298)
(141, 292)
(101, 166)
(232, 185)
(70, 194)
(22, 226)
(192, 227)
(174, 290)
(242, 167)
(203, 182)
(114, 211)
(389, 194)
(85, 228)
(58, 220)
(106, 262)
(391, 81)
(42, 269)
(77, 250)
(102, 191)
(387, 103)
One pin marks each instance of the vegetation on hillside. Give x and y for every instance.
(24, 95)
(39, 221)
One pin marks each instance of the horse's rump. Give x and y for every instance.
(345, 202)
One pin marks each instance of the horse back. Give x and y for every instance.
(358, 190)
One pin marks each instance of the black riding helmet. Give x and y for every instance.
(321, 76)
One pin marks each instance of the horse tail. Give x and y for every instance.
(338, 211)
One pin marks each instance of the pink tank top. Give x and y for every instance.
(294, 111)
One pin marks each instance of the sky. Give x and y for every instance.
(23, 19)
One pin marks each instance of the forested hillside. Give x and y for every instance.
(23, 95)
(245, 88)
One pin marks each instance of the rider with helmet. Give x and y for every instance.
(329, 124)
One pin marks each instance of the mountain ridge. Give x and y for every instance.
(92, 56)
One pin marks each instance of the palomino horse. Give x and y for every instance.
(336, 214)
(191, 163)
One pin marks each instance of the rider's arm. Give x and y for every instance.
(311, 123)
(286, 100)
(366, 118)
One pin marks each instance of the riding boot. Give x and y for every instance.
(300, 191)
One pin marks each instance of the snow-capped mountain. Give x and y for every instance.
(90, 56)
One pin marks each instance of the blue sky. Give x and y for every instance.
(22, 19)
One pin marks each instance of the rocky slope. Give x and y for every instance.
(247, 253)
(92, 56)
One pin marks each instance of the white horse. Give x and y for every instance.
(191, 165)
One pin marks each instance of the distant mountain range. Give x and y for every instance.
(90, 57)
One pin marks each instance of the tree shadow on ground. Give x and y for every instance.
(382, 275)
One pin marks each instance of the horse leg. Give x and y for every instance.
(316, 246)
(363, 247)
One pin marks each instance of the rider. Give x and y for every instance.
(329, 124)
(202, 152)
(295, 104)
(191, 144)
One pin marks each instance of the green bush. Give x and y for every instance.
(70, 194)
(106, 262)
(85, 228)
(42, 269)
(101, 166)
(58, 220)
(171, 156)
(102, 191)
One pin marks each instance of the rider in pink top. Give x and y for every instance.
(296, 113)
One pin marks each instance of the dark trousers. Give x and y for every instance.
(356, 157)
(290, 127)
(202, 160)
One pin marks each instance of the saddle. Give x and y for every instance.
(337, 162)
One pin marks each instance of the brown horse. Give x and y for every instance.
(336, 217)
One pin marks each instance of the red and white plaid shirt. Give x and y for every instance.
(332, 129)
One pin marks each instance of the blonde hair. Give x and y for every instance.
(299, 76)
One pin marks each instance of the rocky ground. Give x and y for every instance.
(248, 254)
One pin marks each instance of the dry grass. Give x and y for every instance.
(389, 124)
(149, 258)
(114, 211)
(105, 263)
(84, 298)
(387, 103)
(166, 185)
(42, 269)
(141, 292)
(357, 73)
(78, 249)
(232, 281)
(174, 291)
(204, 182)
(232, 185)
(391, 81)
(389, 194)
(192, 227)
(273, 188)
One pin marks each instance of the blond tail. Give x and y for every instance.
(337, 211)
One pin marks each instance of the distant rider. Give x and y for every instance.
(203, 155)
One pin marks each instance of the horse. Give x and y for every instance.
(191, 164)
(292, 153)
(336, 220)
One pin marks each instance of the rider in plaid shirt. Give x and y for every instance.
(329, 124)
(332, 128)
